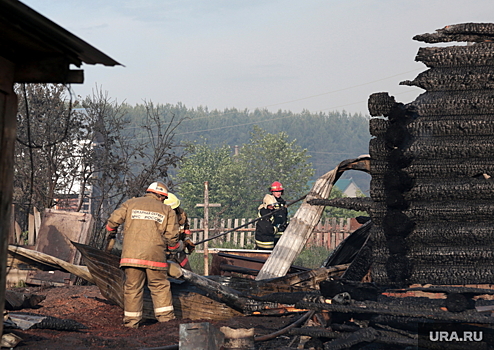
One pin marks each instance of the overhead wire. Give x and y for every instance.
(268, 120)
(257, 122)
(343, 89)
(286, 102)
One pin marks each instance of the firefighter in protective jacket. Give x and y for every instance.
(185, 235)
(150, 231)
(281, 215)
(265, 230)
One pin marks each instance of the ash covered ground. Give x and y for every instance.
(86, 305)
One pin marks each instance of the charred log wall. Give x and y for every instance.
(432, 162)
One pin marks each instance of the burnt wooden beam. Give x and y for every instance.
(468, 32)
(479, 54)
(229, 296)
(347, 340)
(450, 167)
(454, 78)
(446, 289)
(238, 269)
(392, 310)
(359, 204)
(307, 279)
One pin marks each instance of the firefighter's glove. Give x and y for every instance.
(110, 238)
(111, 232)
(179, 247)
(282, 227)
(189, 246)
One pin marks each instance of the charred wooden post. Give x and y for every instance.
(306, 279)
(8, 108)
(414, 311)
(432, 167)
(357, 291)
(345, 340)
(228, 295)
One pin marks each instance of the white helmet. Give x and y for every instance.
(172, 201)
(268, 199)
(158, 188)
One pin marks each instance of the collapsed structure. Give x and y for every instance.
(432, 167)
(431, 163)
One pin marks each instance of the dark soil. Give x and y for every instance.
(103, 320)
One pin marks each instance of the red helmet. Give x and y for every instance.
(276, 186)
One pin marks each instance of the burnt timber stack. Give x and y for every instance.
(433, 165)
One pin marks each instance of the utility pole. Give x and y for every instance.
(206, 206)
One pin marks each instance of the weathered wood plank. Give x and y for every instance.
(37, 222)
(58, 264)
(57, 231)
(8, 109)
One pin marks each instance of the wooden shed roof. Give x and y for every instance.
(36, 44)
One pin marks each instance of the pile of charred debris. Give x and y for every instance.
(328, 310)
(417, 274)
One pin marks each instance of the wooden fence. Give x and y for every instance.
(328, 233)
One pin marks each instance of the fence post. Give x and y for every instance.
(194, 233)
(222, 229)
(201, 226)
(37, 223)
(333, 233)
(249, 234)
(341, 231)
(242, 234)
(326, 238)
(235, 233)
(229, 234)
(31, 233)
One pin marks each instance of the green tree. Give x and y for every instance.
(272, 157)
(205, 163)
(239, 182)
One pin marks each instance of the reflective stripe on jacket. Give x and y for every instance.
(264, 245)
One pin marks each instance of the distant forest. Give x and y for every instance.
(328, 137)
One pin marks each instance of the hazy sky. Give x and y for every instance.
(319, 55)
